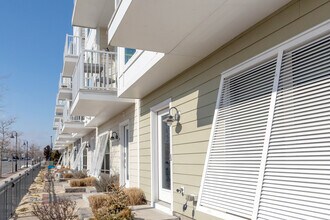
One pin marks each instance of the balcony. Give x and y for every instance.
(65, 88)
(92, 14)
(74, 124)
(189, 30)
(55, 124)
(147, 71)
(94, 86)
(59, 106)
(63, 137)
(72, 48)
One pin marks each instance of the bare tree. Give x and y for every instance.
(5, 133)
(35, 152)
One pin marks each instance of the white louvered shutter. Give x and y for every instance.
(236, 148)
(99, 154)
(297, 176)
(77, 162)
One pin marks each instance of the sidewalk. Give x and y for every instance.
(39, 192)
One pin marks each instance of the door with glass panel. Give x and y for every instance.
(164, 157)
(126, 156)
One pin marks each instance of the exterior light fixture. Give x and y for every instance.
(13, 135)
(26, 143)
(114, 136)
(170, 119)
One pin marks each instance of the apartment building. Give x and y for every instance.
(89, 114)
(217, 109)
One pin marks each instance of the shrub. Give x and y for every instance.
(67, 175)
(81, 174)
(135, 196)
(42, 175)
(111, 206)
(105, 183)
(61, 210)
(90, 181)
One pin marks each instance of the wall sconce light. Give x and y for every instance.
(114, 136)
(87, 145)
(170, 119)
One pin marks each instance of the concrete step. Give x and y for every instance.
(145, 212)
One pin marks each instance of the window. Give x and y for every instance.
(269, 154)
(106, 160)
(129, 52)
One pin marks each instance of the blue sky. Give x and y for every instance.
(32, 39)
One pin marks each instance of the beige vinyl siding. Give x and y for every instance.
(131, 115)
(195, 90)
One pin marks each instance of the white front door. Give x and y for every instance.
(126, 156)
(164, 157)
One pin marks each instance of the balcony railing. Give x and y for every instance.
(65, 82)
(59, 128)
(70, 118)
(60, 102)
(87, 119)
(72, 45)
(95, 70)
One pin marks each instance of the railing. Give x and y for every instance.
(60, 102)
(95, 70)
(77, 118)
(12, 192)
(87, 119)
(70, 118)
(72, 45)
(65, 82)
(59, 128)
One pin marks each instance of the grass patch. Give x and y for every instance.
(89, 181)
(135, 196)
(111, 206)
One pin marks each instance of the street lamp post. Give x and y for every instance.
(27, 153)
(12, 136)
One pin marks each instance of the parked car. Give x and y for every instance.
(5, 159)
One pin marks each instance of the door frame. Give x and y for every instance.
(122, 126)
(154, 156)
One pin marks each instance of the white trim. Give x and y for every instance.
(308, 35)
(161, 105)
(138, 109)
(267, 135)
(154, 152)
(131, 61)
(121, 150)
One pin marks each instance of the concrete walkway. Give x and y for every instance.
(45, 192)
(145, 212)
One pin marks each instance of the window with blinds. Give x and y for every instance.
(296, 182)
(269, 153)
(234, 161)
